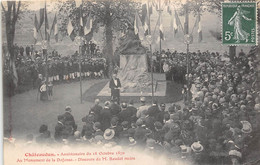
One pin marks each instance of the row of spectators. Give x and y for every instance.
(59, 68)
(173, 64)
(219, 125)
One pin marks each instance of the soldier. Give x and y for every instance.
(66, 70)
(71, 70)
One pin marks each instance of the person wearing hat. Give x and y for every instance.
(132, 143)
(142, 108)
(97, 129)
(131, 108)
(154, 109)
(149, 121)
(235, 156)
(58, 135)
(105, 116)
(115, 126)
(158, 133)
(109, 135)
(124, 134)
(76, 140)
(152, 147)
(160, 115)
(45, 135)
(115, 86)
(69, 119)
(140, 133)
(126, 113)
(96, 109)
(197, 153)
(115, 107)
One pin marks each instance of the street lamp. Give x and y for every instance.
(79, 41)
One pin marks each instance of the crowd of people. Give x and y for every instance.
(59, 68)
(218, 124)
(173, 64)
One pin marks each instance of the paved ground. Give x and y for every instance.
(25, 114)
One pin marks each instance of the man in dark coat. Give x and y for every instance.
(140, 133)
(58, 135)
(153, 110)
(28, 50)
(69, 119)
(105, 116)
(21, 50)
(115, 86)
(114, 108)
(45, 135)
(125, 114)
(160, 115)
(96, 110)
(124, 134)
(133, 110)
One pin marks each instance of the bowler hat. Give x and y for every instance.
(197, 147)
(109, 134)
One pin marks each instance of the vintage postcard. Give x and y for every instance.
(169, 82)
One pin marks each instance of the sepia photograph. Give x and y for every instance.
(127, 82)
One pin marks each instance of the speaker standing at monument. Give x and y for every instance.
(115, 86)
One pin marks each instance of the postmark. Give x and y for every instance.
(239, 23)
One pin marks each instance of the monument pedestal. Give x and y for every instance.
(135, 78)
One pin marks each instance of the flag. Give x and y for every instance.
(41, 18)
(144, 13)
(138, 28)
(69, 27)
(161, 29)
(88, 26)
(35, 29)
(169, 10)
(150, 8)
(47, 25)
(146, 26)
(81, 21)
(78, 3)
(177, 23)
(199, 28)
(54, 28)
(73, 35)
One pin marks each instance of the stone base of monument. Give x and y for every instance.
(159, 88)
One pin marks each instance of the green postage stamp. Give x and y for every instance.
(239, 23)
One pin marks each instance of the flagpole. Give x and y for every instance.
(186, 31)
(80, 53)
(149, 32)
(45, 49)
(160, 51)
(149, 22)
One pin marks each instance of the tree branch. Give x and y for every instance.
(18, 11)
(3, 7)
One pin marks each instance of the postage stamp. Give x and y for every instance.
(239, 23)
